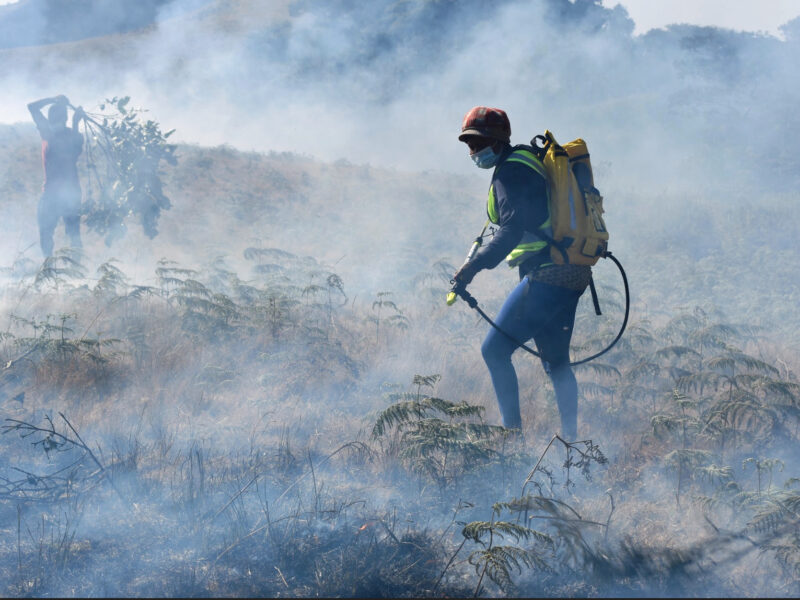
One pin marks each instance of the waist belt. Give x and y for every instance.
(572, 277)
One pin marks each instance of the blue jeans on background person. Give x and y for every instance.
(545, 313)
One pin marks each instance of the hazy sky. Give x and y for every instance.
(749, 15)
(738, 14)
(746, 15)
(764, 15)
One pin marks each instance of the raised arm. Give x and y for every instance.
(36, 107)
(77, 116)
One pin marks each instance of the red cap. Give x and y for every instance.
(486, 122)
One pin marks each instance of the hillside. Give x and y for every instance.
(226, 200)
(213, 396)
(383, 228)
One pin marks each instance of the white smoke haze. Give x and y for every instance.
(767, 17)
(318, 140)
(263, 83)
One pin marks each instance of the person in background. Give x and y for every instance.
(542, 306)
(61, 193)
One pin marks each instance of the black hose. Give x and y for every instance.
(470, 300)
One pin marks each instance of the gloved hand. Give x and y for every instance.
(464, 275)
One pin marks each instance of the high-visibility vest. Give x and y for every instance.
(530, 243)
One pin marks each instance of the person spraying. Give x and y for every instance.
(542, 306)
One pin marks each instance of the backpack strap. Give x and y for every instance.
(539, 145)
(560, 246)
(538, 150)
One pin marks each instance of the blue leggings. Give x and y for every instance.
(545, 313)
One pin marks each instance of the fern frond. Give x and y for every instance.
(590, 389)
(432, 435)
(676, 373)
(464, 409)
(452, 409)
(786, 389)
(733, 358)
(476, 530)
(713, 473)
(602, 369)
(682, 323)
(165, 271)
(426, 380)
(721, 363)
(689, 457)
(643, 369)
(769, 518)
(697, 381)
(139, 291)
(273, 253)
(550, 506)
(397, 414)
(713, 335)
(666, 422)
(498, 563)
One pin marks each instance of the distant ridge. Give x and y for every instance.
(41, 22)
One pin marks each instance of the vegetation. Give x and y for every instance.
(265, 423)
(123, 167)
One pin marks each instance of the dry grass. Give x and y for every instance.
(231, 407)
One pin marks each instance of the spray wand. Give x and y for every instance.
(455, 291)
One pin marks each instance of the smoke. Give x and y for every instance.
(344, 118)
(387, 84)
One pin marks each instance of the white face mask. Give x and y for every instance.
(486, 158)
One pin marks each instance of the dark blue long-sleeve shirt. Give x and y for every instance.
(521, 204)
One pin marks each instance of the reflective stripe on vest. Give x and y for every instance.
(530, 243)
(528, 158)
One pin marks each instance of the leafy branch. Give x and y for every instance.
(124, 156)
